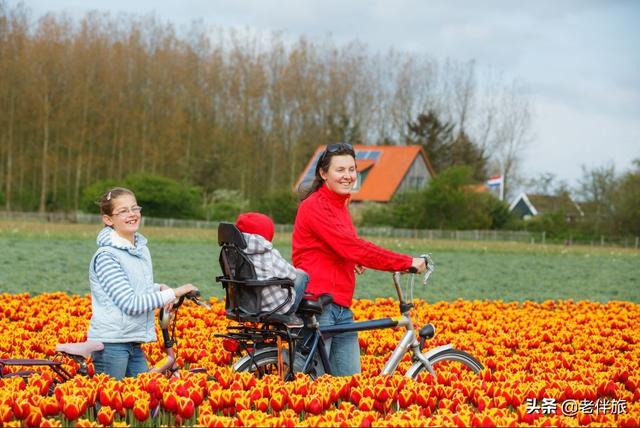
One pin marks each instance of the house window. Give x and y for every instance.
(360, 180)
(368, 154)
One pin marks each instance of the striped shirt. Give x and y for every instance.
(115, 282)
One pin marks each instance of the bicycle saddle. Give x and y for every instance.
(315, 306)
(82, 349)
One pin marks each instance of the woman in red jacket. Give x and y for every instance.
(325, 245)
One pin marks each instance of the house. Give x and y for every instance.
(383, 171)
(527, 206)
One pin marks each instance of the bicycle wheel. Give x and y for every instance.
(264, 362)
(446, 354)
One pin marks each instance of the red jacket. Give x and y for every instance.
(326, 246)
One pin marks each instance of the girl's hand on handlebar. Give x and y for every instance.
(185, 289)
(419, 264)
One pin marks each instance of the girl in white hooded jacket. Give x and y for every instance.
(123, 293)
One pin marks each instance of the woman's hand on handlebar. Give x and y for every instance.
(419, 264)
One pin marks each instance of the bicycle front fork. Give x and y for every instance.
(407, 342)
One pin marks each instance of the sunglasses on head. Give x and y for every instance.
(335, 148)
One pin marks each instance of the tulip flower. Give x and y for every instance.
(277, 401)
(141, 409)
(34, 418)
(50, 423)
(106, 415)
(296, 402)
(313, 405)
(84, 423)
(49, 406)
(186, 408)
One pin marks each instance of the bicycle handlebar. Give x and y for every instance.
(430, 267)
(194, 296)
(427, 273)
(165, 316)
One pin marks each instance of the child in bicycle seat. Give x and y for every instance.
(258, 230)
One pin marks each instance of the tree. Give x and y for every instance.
(510, 131)
(435, 138)
(597, 185)
(597, 189)
(465, 152)
(547, 183)
(626, 200)
(443, 149)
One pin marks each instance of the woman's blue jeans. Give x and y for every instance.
(120, 359)
(343, 349)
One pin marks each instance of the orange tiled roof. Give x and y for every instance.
(477, 188)
(385, 173)
(364, 164)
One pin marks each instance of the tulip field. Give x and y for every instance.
(555, 363)
(557, 329)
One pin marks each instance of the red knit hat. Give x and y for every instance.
(257, 224)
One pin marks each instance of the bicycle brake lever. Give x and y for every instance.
(430, 267)
(194, 296)
(202, 303)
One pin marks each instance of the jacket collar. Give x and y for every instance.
(109, 238)
(335, 198)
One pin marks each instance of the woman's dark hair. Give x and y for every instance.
(335, 149)
(106, 201)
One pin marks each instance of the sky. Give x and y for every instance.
(579, 59)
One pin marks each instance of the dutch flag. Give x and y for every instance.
(496, 183)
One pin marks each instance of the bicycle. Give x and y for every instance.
(265, 349)
(80, 352)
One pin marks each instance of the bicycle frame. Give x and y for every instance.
(311, 348)
(315, 343)
(80, 354)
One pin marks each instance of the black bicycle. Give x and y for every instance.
(269, 346)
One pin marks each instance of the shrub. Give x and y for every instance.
(281, 205)
(159, 196)
(449, 204)
(225, 205)
(374, 214)
(498, 211)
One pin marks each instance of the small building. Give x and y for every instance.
(383, 171)
(527, 206)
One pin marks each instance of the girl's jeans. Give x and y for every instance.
(120, 359)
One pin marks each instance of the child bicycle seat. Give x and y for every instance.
(242, 288)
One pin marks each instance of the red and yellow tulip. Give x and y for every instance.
(563, 350)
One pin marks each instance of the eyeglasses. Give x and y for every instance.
(125, 211)
(336, 148)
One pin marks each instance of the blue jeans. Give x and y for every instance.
(120, 359)
(299, 285)
(343, 349)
